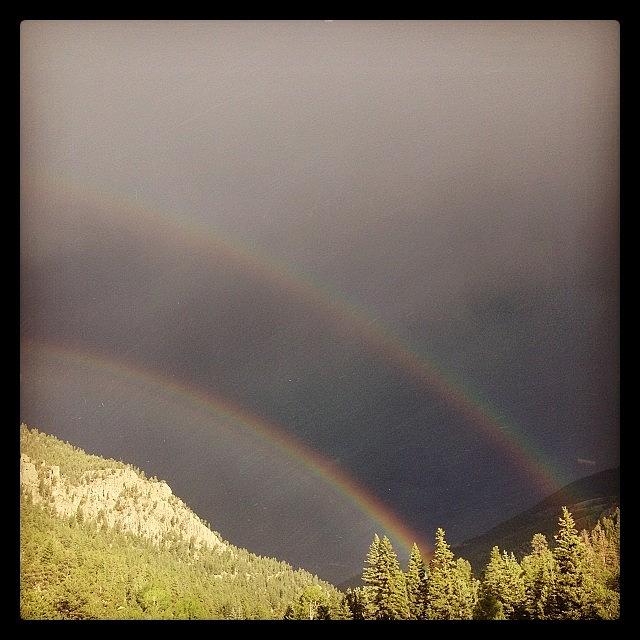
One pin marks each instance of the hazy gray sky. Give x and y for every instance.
(458, 181)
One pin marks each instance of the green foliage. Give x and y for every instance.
(416, 580)
(355, 601)
(440, 585)
(579, 578)
(451, 589)
(84, 571)
(189, 608)
(604, 551)
(339, 607)
(316, 603)
(503, 582)
(603, 567)
(488, 607)
(385, 587)
(539, 572)
(570, 595)
(154, 599)
(465, 590)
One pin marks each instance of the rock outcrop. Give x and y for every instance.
(117, 497)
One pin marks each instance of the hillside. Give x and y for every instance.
(100, 540)
(587, 499)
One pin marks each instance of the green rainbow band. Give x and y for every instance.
(270, 432)
(348, 317)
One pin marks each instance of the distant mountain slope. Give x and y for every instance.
(587, 499)
(99, 540)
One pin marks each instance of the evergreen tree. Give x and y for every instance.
(603, 568)
(503, 580)
(82, 568)
(441, 584)
(395, 605)
(604, 543)
(416, 580)
(465, 590)
(371, 579)
(538, 574)
(570, 597)
(493, 575)
(514, 591)
(339, 607)
(84, 571)
(385, 590)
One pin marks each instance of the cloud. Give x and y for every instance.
(590, 463)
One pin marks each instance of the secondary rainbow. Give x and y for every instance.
(268, 431)
(181, 230)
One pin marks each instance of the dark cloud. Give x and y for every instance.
(458, 182)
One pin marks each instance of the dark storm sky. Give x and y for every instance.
(458, 181)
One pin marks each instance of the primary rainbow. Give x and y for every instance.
(268, 431)
(182, 230)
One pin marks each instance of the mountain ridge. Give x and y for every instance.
(587, 498)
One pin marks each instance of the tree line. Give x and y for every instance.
(576, 579)
(73, 569)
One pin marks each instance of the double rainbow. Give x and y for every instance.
(183, 231)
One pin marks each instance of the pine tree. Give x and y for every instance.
(466, 590)
(440, 588)
(570, 597)
(514, 590)
(603, 568)
(503, 581)
(385, 590)
(493, 573)
(372, 580)
(339, 608)
(539, 574)
(396, 605)
(416, 580)
(604, 543)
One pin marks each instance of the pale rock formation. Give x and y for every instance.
(117, 498)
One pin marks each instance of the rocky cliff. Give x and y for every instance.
(118, 496)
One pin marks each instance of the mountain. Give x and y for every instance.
(100, 540)
(587, 499)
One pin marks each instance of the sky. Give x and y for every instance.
(394, 242)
